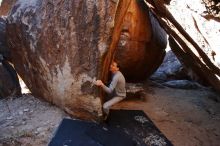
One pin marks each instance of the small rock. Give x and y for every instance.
(39, 129)
(162, 113)
(9, 118)
(216, 132)
(20, 113)
(216, 118)
(23, 123)
(42, 134)
(211, 111)
(68, 117)
(26, 110)
(47, 122)
(104, 128)
(31, 101)
(12, 127)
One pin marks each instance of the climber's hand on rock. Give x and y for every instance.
(99, 83)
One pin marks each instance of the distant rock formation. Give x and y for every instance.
(58, 48)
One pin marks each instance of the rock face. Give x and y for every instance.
(9, 83)
(4, 50)
(6, 6)
(58, 47)
(142, 43)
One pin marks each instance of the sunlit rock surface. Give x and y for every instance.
(190, 15)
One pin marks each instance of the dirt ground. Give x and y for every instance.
(186, 117)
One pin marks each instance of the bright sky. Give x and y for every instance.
(0, 2)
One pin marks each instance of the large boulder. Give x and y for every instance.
(142, 43)
(58, 48)
(170, 69)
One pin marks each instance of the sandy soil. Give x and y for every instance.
(186, 117)
(28, 121)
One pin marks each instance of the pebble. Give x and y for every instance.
(9, 118)
(26, 110)
(42, 134)
(211, 111)
(47, 122)
(20, 113)
(39, 129)
(216, 118)
(31, 101)
(216, 133)
(162, 113)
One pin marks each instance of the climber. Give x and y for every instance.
(116, 89)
